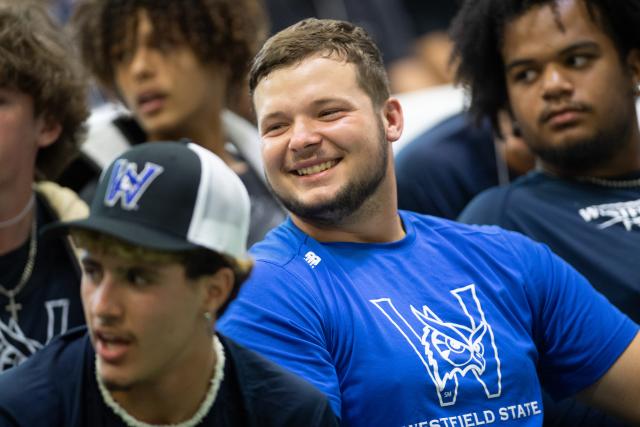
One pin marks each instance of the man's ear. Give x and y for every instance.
(393, 119)
(633, 62)
(49, 131)
(218, 287)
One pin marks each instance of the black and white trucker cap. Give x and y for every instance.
(171, 196)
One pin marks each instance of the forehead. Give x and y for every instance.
(315, 77)
(143, 26)
(547, 28)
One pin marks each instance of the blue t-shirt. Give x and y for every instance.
(595, 229)
(452, 322)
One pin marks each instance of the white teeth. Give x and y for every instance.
(317, 168)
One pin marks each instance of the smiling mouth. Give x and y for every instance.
(316, 168)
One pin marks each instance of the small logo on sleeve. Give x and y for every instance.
(312, 259)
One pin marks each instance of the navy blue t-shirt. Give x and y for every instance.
(50, 301)
(596, 229)
(57, 388)
(440, 171)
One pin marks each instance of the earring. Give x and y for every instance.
(207, 315)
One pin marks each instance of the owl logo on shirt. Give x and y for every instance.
(451, 350)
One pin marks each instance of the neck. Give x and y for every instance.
(376, 221)
(12, 207)
(206, 133)
(175, 397)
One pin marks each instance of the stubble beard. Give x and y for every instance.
(349, 199)
(579, 157)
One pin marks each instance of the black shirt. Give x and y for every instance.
(57, 387)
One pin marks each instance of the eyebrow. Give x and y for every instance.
(566, 50)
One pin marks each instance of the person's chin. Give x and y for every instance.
(114, 379)
(159, 127)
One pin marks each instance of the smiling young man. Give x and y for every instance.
(403, 319)
(163, 254)
(177, 65)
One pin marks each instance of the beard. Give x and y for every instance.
(350, 197)
(580, 156)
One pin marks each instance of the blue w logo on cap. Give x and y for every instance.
(128, 185)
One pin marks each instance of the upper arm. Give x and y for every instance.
(618, 391)
(578, 333)
(277, 316)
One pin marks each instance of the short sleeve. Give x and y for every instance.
(277, 315)
(578, 333)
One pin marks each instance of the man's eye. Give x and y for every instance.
(137, 278)
(165, 45)
(330, 113)
(274, 130)
(93, 273)
(578, 61)
(526, 76)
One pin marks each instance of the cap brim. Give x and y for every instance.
(133, 233)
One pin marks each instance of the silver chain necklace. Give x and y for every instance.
(611, 183)
(13, 307)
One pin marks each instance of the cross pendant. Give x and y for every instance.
(13, 308)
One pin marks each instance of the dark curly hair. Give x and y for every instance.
(324, 36)
(477, 33)
(35, 59)
(226, 32)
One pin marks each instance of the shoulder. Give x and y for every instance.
(63, 201)
(487, 207)
(266, 386)
(449, 141)
(49, 377)
(488, 241)
(495, 204)
(286, 250)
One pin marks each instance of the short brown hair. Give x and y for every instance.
(196, 262)
(35, 59)
(329, 37)
(226, 32)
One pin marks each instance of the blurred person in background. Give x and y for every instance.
(42, 114)
(177, 65)
(411, 34)
(443, 169)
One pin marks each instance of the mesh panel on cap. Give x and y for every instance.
(220, 219)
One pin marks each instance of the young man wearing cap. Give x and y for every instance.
(163, 253)
(42, 111)
(403, 319)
